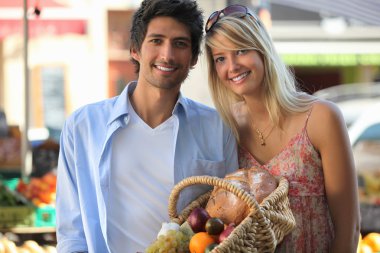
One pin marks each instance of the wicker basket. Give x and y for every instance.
(261, 231)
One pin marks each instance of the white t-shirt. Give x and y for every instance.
(142, 177)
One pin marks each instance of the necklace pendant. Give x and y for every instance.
(261, 137)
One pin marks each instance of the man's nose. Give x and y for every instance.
(167, 52)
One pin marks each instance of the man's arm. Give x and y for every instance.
(230, 151)
(70, 234)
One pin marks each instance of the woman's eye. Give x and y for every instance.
(219, 59)
(242, 51)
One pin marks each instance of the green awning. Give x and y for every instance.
(331, 59)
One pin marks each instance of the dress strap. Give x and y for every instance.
(308, 116)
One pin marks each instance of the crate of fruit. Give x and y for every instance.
(45, 216)
(209, 224)
(15, 210)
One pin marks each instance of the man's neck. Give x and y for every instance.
(153, 105)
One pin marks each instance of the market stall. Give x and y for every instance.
(27, 204)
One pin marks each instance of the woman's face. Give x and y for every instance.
(242, 71)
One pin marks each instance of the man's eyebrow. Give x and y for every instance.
(157, 35)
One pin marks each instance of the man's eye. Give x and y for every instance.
(155, 41)
(181, 44)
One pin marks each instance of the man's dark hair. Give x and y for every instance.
(184, 11)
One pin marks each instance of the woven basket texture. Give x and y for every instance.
(261, 231)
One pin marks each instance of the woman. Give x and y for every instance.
(287, 132)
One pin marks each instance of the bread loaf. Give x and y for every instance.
(228, 207)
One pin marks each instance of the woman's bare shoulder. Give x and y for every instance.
(325, 120)
(323, 109)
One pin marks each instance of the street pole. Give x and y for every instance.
(26, 153)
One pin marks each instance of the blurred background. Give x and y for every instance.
(57, 55)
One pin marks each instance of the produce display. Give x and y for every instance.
(369, 187)
(9, 198)
(370, 243)
(39, 190)
(28, 203)
(29, 246)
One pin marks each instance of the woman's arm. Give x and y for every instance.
(328, 133)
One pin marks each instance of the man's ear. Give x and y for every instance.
(193, 62)
(135, 54)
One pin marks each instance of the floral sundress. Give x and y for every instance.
(301, 164)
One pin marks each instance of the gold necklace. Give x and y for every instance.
(261, 134)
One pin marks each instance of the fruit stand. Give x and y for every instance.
(27, 211)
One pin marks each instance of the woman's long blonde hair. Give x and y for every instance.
(280, 92)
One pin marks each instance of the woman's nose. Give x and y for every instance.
(233, 65)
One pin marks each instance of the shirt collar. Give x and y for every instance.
(120, 107)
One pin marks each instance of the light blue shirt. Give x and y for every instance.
(204, 146)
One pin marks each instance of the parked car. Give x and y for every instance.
(352, 99)
(365, 140)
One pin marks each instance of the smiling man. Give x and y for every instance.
(120, 158)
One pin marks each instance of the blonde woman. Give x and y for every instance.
(287, 132)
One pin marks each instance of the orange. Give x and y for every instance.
(200, 241)
(373, 240)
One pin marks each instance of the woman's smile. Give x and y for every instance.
(240, 78)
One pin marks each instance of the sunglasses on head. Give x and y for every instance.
(232, 9)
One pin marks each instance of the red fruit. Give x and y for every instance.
(197, 219)
(226, 232)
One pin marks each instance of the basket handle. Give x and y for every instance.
(213, 181)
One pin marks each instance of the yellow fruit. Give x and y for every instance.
(372, 240)
(365, 248)
(359, 243)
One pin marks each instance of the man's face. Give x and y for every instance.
(165, 57)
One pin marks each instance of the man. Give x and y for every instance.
(120, 158)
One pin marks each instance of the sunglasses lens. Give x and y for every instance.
(238, 10)
(235, 9)
(212, 20)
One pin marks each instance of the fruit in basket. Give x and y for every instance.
(230, 208)
(200, 241)
(211, 247)
(166, 227)
(186, 229)
(214, 226)
(197, 219)
(173, 241)
(372, 240)
(226, 232)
